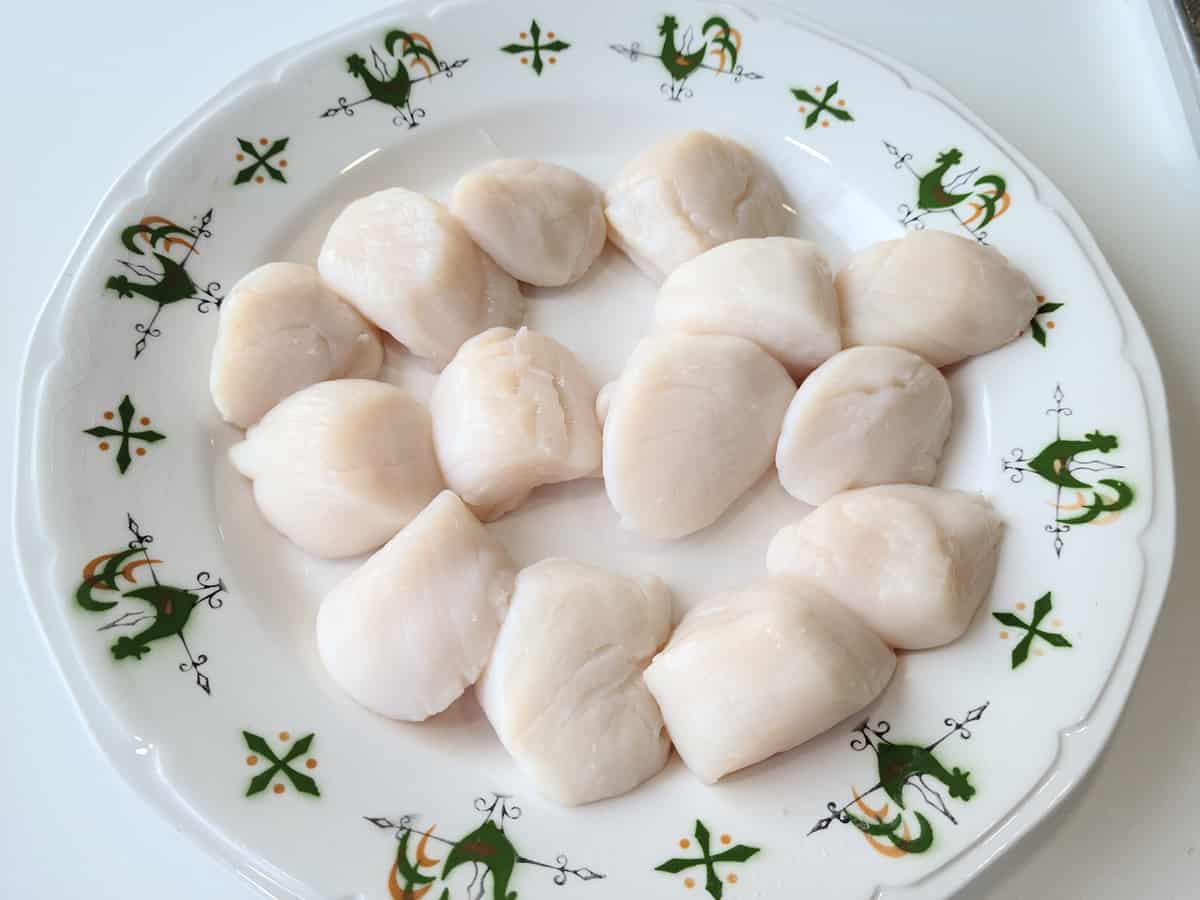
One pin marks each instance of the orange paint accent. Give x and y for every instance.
(732, 878)
(135, 565)
(725, 839)
(1050, 324)
(1078, 504)
(398, 893)
(279, 789)
(263, 141)
(140, 451)
(524, 35)
(681, 61)
(258, 179)
(841, 103)
(1107, 518)
(145, 420)
(825, 124)
(283, 164)
(800, 109)
(1057, 623)
(108, 415)
(890, 851)
(169, 242)
(418, 38)
(241, 157)
(104, 445)
(1039, 652)
(552, 60)
(550, 34)
(252, 760)
(689, 882)
(1004, 635)
(817, 88)
(1020, 606)
(424, 860)
(284, 736)
(684, 843)
(524, 60)
(310, 763)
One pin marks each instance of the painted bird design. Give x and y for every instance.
(394, 88)
(987, 197)
(680, 61)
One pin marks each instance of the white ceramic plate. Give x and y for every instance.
(184, 625)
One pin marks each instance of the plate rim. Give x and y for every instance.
(1078, 745)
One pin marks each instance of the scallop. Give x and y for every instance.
(757, 671)
(413, 627)
(411, 268)
(690, 425)
(869, 415)
(775, 291)
(513, 410)
(341, 466)
(564, 687)
(282, 329)
(914, 562)
(542, 223)
(687, 194)
(942, 296)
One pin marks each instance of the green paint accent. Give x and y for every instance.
(712, 882)
(172, 609)
(900, 762)
(1054, 462)
(106, 578)
(299, 780)
(172, 285)
(890, 831)
(1035, 327)
(126, 410)
(487, 846)
(536, 47)
(678, 65)
(1041, 609)
(932, 195)
(261, 161)
(1097, 508)
(821, 105)
(406, 870)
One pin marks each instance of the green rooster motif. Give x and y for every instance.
(682, 57)
(973, 200)
(391, 84)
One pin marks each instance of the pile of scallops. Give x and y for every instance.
(585, 675)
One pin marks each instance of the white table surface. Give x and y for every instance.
(1075, 84)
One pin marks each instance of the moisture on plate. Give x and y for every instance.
(914, 562)
(513, 410)
(690, 425)
(411, 268)
(775, 291)
(413, 627)
(869, 415)
(757, 671)
(281, 329)
(687, 194)
(564, 688)
(942, 296)
(339, 467)
(542, 223)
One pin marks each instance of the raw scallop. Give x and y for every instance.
(413, 627)
(564, 687)
(685, 195)
(542, 223)
(870, 415)
(513, 410)
(754, 672)
(914, 562)
(412, 269)
(939, 295)
(281, 329)
(690, 425)
(776, 291)
(341, 466)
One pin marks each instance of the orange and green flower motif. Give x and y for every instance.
(684, 55)
(159, 611)
(126, 434)
(262, 160)
(284, 766)
(1064, 464)
(169, 281)
(488, 849)
(1032, 629)
(390, 83)
(974, 200)
(531, 52)
(1037, 327)
(713, 883)
(822, 108)
(904, 770)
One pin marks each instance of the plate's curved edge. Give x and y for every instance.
(1090, 734)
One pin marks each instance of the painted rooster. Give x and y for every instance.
(681, 61)
(986, 198)
(394, 88)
